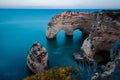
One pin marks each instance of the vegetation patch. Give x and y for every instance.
(65, 73)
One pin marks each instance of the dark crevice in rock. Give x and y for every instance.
(102, 56)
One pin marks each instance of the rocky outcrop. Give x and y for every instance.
(103, 29)
(112, 67)
(103, 34)
(37, 58)
(69, 21)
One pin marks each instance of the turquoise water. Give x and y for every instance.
(19, 29)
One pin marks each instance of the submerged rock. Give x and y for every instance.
(37, 58)
(96, 76)
(78, 57)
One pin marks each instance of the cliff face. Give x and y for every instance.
(69, 21)
(37, 58)
(104, 32)
(112, 68)
(103, 29)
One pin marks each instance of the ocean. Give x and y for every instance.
(20, 28)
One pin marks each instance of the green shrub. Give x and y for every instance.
(54, 74)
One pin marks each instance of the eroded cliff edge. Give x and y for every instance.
(69, 21)
(103, 29)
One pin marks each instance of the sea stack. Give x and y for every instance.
(37, 58)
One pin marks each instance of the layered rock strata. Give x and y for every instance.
(37, 58)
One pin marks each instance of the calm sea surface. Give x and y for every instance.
(20, 28)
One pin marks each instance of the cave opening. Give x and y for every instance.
(102, 56)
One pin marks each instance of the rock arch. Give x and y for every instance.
(103, 29)
(69, 21)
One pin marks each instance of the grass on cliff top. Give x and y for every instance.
(65, 73)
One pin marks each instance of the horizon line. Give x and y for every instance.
(58, 8)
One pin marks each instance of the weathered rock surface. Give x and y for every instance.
(112, 67)
(69, 21)
(37, 58)
(104, 32)
(103, 29)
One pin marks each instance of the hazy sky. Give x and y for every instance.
(60, 4)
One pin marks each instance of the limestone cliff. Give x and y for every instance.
(69, 21)
(103, 29)
(103, 34)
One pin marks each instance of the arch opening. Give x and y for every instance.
(77, 35)
(60, 37)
